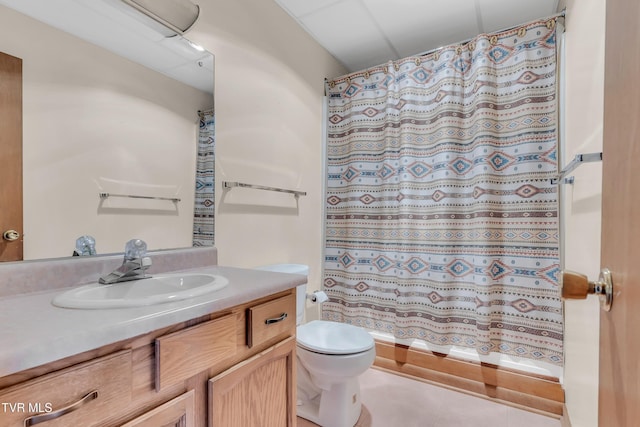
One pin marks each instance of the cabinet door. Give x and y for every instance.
(259, 392)
(178, 412)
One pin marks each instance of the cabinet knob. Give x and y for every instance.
(578, 286)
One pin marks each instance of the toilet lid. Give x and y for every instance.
(327, 337)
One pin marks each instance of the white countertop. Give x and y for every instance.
(33, 332)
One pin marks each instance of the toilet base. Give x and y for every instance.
(338, 407)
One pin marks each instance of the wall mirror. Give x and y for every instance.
(110, 105)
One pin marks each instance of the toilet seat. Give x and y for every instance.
(325, 337)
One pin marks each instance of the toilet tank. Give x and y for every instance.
(301, 290)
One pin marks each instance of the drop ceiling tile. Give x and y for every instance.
(347, 32)
(499, 14)
(417, 26)
(298, 8)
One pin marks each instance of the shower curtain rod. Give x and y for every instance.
(557, 15)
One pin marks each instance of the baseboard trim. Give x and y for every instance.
(530, 391)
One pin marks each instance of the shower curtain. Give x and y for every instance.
(441, 220)
(203, 214)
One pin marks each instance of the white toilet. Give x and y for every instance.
(331, 356)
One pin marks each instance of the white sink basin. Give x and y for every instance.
(137, 293)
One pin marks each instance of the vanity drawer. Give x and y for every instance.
(178, 412)
(82, 395)
(270, 319)
(183, 354)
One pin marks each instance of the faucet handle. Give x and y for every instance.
(145, 262)
(135, 248)
(85, 245)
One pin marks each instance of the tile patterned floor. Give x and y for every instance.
(391, 400)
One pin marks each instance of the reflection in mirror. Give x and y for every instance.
(97, 122)
(85, 246)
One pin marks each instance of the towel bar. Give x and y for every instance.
(107, 195)
(577, 161)
(228, 184)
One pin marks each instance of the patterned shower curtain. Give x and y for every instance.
(442, 223)
(204, 212)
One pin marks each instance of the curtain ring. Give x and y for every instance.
(348, 79)
(471, 46)
(458, 50)
(366, 74)
(332, 84)
(436, 56)
(522, 32)
(493, 40)
(396, 66)
(551, 23)
(418, 61)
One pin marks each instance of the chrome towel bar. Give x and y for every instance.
(131, 196)
(229, 184)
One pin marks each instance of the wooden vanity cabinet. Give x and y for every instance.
(195, 374)
(260, 391)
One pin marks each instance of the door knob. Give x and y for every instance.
(578, 286)
(11, 235)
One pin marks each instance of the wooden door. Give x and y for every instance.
(257, 392)
(10, 155)
(619, 394)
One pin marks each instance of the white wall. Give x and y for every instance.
(92, 119)
(269, 88)
(585, 25)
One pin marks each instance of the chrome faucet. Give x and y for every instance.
(133, 267)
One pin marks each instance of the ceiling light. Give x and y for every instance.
(174, 16)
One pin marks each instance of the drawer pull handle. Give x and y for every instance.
(276, 319)
(37, 419)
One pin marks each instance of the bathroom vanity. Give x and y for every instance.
(223, 359)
